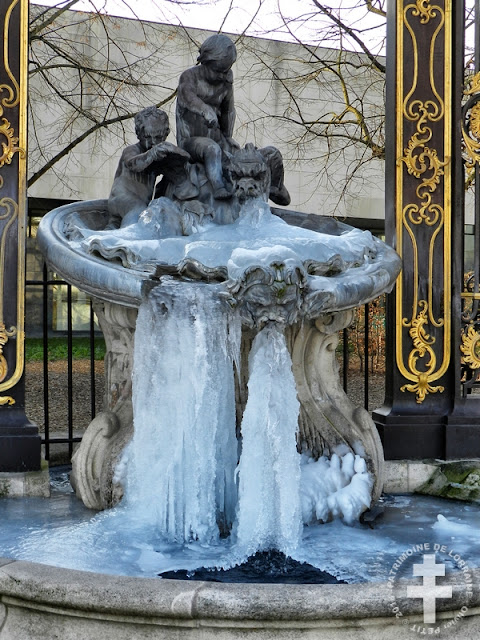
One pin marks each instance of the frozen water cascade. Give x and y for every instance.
(182, 458)
(185, 487)
(211, 472)
(269, 514)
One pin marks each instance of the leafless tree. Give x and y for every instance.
(332, 110)
(84, 79)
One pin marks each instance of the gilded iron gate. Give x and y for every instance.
(470, 317)
(433, 149)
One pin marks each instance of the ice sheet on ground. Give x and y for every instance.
(448, 526)
(54, 531)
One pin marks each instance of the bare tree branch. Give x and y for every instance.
(380, 11)
(98, 125)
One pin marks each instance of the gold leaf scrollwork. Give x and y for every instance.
(426, 160)
(470, 348)
(13, 98)
(471, 123)
(5, 334)
(424, 164)
(475, 120)
(473, 85)
(423, 344)
(424, 10)
(9, 148)
(10, 99)
(472, 149)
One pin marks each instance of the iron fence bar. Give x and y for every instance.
(70, 367)
(367, 349)
(47, 440)
(92, 362)
(345, 359)
(45, 282)
(62, 440)
(46, 407)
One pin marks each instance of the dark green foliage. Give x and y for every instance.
(58, 349)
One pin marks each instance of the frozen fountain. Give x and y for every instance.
(226, 430)
(224, 441)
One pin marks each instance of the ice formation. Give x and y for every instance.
(269, 514)
(142, 244)
(188, 478)
(182, 458)
(448, 526)
(339, 487)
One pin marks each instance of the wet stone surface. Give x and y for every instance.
(269, 567)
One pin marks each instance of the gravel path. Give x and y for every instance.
(58, 393)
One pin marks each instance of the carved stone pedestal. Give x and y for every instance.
(94, 462)
(26, 484)
(328, 420)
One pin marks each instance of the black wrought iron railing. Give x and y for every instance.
(64, 433)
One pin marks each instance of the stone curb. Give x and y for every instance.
(68, 589)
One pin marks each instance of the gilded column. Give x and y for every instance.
(19, 439)
(421, 196)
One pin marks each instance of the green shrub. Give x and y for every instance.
(58, 349)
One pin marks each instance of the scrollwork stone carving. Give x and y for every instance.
(329, 421)
(95, 460)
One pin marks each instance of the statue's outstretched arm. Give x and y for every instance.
(142, 161)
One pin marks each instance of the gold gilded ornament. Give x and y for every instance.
(9, 148)
(422, 343)
(5, 334)
(470, 348)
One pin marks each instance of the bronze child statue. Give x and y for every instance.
(206, 116)
(141, 163)
(205, 110)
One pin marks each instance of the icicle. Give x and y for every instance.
(269, 512)
(184, 419)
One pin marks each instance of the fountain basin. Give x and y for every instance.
(110, 281)
(314, 294)
(38, 601)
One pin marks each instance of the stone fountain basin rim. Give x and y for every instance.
(124, 287)
(67, 590)
(111, 282)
